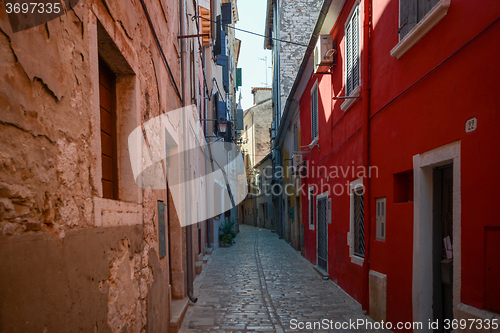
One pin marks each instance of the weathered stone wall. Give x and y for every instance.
(263, 116)
(50, 172)
(261, 94)
(297, 21)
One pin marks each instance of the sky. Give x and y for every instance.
(252, 17)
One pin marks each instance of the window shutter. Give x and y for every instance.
(225, 72)
(218, 31)
(239, 120)
(221, 112)
(161, 231)
(355, 49)
(314, 112)
(226, 13)
(220, 107)
(352, 52)
(407, 16)
(348, 61)
(424, 6)
(228, 137)
(223, 42)
(238, 77)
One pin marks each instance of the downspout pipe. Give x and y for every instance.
(366, 91)
(189, 230)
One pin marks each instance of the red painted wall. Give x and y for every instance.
(418, 102)
(422, 101)
(340, 146)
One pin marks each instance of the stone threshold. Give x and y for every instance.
(322, 272)
(178, 309)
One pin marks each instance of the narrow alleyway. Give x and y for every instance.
(261, 284)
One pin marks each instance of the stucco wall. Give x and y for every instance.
(51, 172)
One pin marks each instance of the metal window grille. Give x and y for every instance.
(322, 234)
(311, 207)
(352, 52)
(359, 223)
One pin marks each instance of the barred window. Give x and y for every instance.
(359, 223)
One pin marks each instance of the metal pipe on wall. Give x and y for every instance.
(189, 230)
(366, 81)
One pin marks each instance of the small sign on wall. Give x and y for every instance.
(471, 125)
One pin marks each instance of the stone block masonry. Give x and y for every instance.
(297, 20)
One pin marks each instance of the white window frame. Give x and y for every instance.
(356, 91)
(433, 17)
(315, 94)
(311, 207)
(350, 235)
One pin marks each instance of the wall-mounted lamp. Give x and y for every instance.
(222, 128)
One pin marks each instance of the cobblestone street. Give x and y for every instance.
(260, 284)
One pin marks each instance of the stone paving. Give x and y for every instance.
(260, 284)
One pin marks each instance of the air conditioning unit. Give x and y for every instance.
(324, 54)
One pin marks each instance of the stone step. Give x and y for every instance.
(198, 266)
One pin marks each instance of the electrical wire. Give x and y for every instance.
(251, 32)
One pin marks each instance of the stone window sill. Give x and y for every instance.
(350, 101)
(436, 14)
(357, 260)
(112, 213)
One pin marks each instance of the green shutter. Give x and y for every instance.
(238, 77)
(161, 229)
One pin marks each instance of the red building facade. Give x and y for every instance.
(409, 112)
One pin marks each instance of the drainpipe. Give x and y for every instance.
(189, 230)
(366, 77)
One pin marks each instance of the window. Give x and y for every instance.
(107, 106)
(412, 12)
(314, 111)
(359, 224)
(352, 52)
(356, 235)
(416, 19)
(295, 138)
(311, 208)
